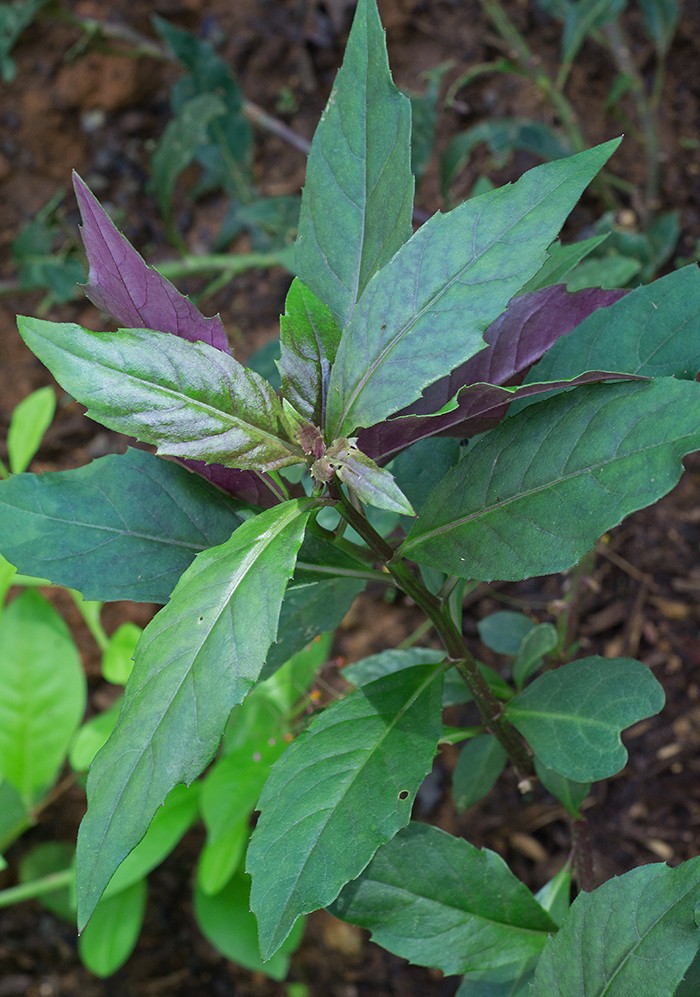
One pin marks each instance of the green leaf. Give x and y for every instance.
(118, 656)
(180, 142)
(480, 763)
(569, 793)
(504, 631)
(534, 494)
(561, 260)
(555, 896)
(661, 20)
(109, 939)
(469, 262)
(338, 793)
(42, 693)
(226, 920)
(371, 484)
(124, 527)
(438, 901)
(197, 659)
(30, 420)
(357, 202)
(540, 641)
(44, 860)
(309, 339)
(652, 332)
(635, 934)
(91, 736)
(188, 399)
(572, 717)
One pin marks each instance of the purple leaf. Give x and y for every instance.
(255, 488)
(527, 329)
(121, 284)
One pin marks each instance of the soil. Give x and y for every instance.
(97, 108)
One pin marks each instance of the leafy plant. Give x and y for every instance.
(394, 347)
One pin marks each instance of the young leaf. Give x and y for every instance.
(635, 934)
(338, 793)
(183, 136)
(572, 717)
(134, 294)
(124, 527)
(505, 631)
(541, 640)
(438, 901)
(357, 202)
(30, 420)
(471, 261)
(480, 763)
(516, 340)
(42, 693)
(371, 484)
(309, 339)
(652, 332)
(109, 939)
(535, 493)
(188, 399)
(569, 793)
(198, 658)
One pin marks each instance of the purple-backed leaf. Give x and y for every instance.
(517, 339)
(253, 487)
(121, 283)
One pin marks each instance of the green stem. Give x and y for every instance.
(490, 708)
(37, 887)
(232, 263)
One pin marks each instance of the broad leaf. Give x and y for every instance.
(198, 658)
(340, 791)
(651, 332)
(124, 527)
(42, 694)
(635, 934)
(403, 334)
(109, 939)
(357, 202)
(530, 325)
(438, 901)
(188, 399)
(573, 717)
(134, 294)
(480, 763)
(540, 641)
(309, 339)
(534, 494)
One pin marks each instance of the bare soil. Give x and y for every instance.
(98, 109)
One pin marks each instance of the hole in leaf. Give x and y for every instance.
(403, 795)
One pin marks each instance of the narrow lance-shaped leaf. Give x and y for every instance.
(537, 491)
(188, 399)
(341, 790)
(309, 338)
(198, 658)
(121, 284)
(635, 934)
(572, 717)
(357, 202)
(425, 312)
(439, 901)
(125, 526)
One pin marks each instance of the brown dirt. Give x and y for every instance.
(75, 106)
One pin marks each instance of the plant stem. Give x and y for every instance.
(582, 855)
(462, 659)
(231, 263)
(37, 887)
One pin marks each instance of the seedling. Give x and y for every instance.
(394, 347)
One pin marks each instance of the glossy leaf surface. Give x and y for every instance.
(573, 717)
(188, 399)
(404, 333)
(123, 527)
(198, 658)
(535, 493)
(338, 793)
(357, 201)
(635, 934)
(438, 901)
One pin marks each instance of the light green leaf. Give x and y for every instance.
(309, 338)
(226, 920)
(357, 202)
(338, 793)
(42, 693)
(635, 934)
(30, 420)
(470, 262)
(109, 939)
(117, 659)
(91, 736)
(188, 399)
(480, 763)
(555, 896)
(438, 901)
(47, 859)
(572, 717)
(505, 631)
(124, 527)
(536, 492)
(539, 641)
(561, 260)
(180, 142)
(197, 659)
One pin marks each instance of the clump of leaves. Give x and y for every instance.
(394, 347)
